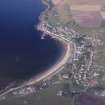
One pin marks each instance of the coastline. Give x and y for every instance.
(49, 72)
(54, 68)
(60, 62)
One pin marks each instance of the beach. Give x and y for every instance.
(49, 72)
(60, 62)
(22, 51)
(54, 68)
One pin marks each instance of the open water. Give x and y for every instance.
(22, 52)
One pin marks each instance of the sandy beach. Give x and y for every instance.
(49, 72)
(60, 62)
(54, 68)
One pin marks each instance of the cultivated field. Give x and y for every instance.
(59, 2)
(79, 2)
(44, 97)
(86, 7)
(87, 19)
(85, 12)
(101, 2)
(86, 99)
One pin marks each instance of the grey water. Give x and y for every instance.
(22, 52)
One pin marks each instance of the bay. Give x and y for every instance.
(22, 52)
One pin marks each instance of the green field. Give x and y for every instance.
(44, 97)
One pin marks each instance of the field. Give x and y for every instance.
(87, 19)
(72, 2)
(60, 2)
(86, 13)
(86, 7)
(44, 97)
(86, 99)
(101, 2)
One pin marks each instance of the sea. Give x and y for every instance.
(23, 54)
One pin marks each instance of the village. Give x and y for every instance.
(79, 73)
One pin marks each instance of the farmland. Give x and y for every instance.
(81, 11)
(87, 19)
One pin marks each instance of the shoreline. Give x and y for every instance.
(49, 72)
(43, 12)
(54, 68)
(60, 62)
